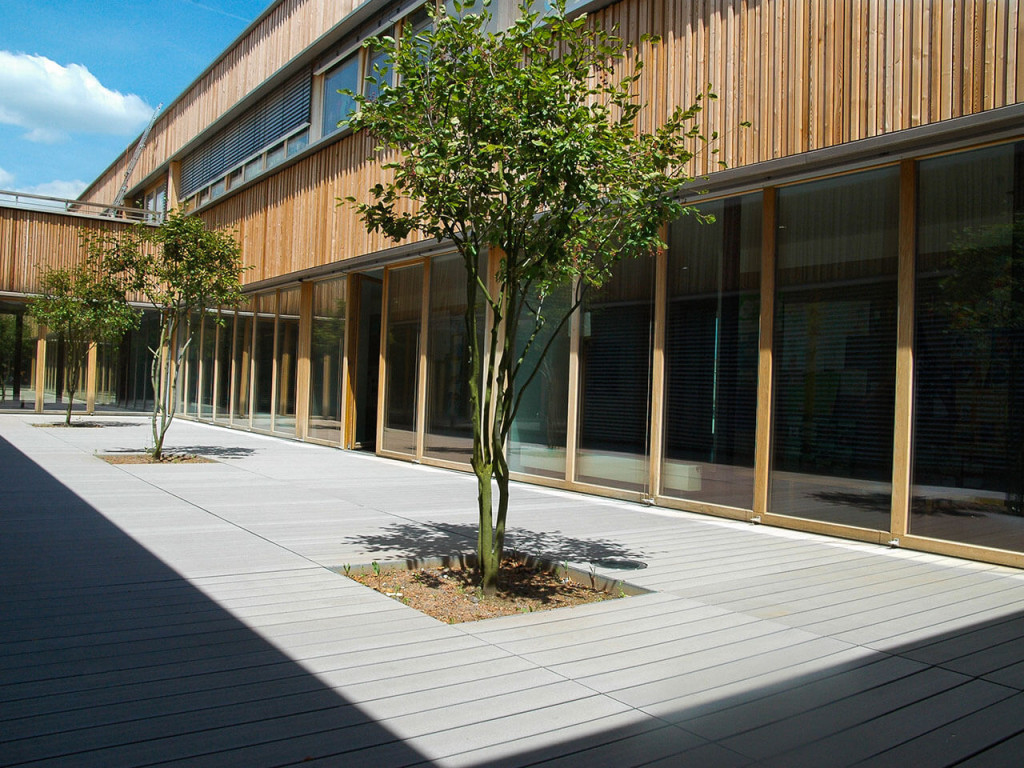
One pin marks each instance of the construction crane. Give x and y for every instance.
(135, 158)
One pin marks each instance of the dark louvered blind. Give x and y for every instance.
(271, 118)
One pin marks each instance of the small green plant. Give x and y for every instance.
(376, 572)
(565, 571)
(347, 569)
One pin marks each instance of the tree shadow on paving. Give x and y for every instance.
(108, 657)
(422, 540)
(84, 424)
(213, 451)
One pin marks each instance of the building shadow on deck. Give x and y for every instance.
(110, 658)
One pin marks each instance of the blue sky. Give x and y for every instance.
(79, 79)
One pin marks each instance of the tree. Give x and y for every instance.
(180, 269)
(83, 305)
(524, 144)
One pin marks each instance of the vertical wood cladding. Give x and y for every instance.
(806, 73)
(30, 239)
(290, 27)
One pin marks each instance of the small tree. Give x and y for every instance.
(523, 143)
(179, 269)
(83, 305)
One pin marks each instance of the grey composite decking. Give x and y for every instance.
(187, 615)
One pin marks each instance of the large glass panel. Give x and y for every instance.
(711, 348)
(325, 360)
(108, 363)
(968, 470)
(615, 378)
(367, 357)
(225, 340)
(263, 355)
(17, 353)
(378, 70)
(245, 322)
(537, 444)
(401, 358)
(135, 388)
(338, 106)
(835, 349)
(188, 382)
(287, 347)
(449, 432)
(207, 348)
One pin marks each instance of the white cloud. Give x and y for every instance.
(52, 101)
(67, 190)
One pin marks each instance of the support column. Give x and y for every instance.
(40, 367)
(302, 366)
(762, 442)
(90, 379)
(657, 415)
(901, 451)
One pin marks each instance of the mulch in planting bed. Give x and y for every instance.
(146, 458)
(451, 595)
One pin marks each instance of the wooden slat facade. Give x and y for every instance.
(807, 75)
(29, 239)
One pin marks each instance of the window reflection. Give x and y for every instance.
(402, 352)
(286, 354)
(711, 350)
(537, 445)
(326, 357)
(615, 378)
(968, 470)
(835, 349)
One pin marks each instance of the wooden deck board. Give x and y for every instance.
(189, 617)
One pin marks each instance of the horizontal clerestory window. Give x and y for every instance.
(265, 124)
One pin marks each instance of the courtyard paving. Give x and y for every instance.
(188, 615)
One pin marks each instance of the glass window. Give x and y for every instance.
(190, 370)
(275, 155)
(235, 178)
(338, 106)
(835, 349)
(207, 346)
(243, 364)
(263, 360)
(219, 188)
(253, 168)
(537, 444)
(449, 433)
(402, 355)
(615, 378)
(326, 360)
(711, 352)
(298, 142)
(225, 340)
(968, 463)
(377, 75)
(286, 347)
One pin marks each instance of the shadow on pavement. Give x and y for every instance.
(110, 658)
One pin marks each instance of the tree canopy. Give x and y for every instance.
(522, 149)
(82, 305)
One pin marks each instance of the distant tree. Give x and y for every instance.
(180, 269)
(523, 143)
(82, 305)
